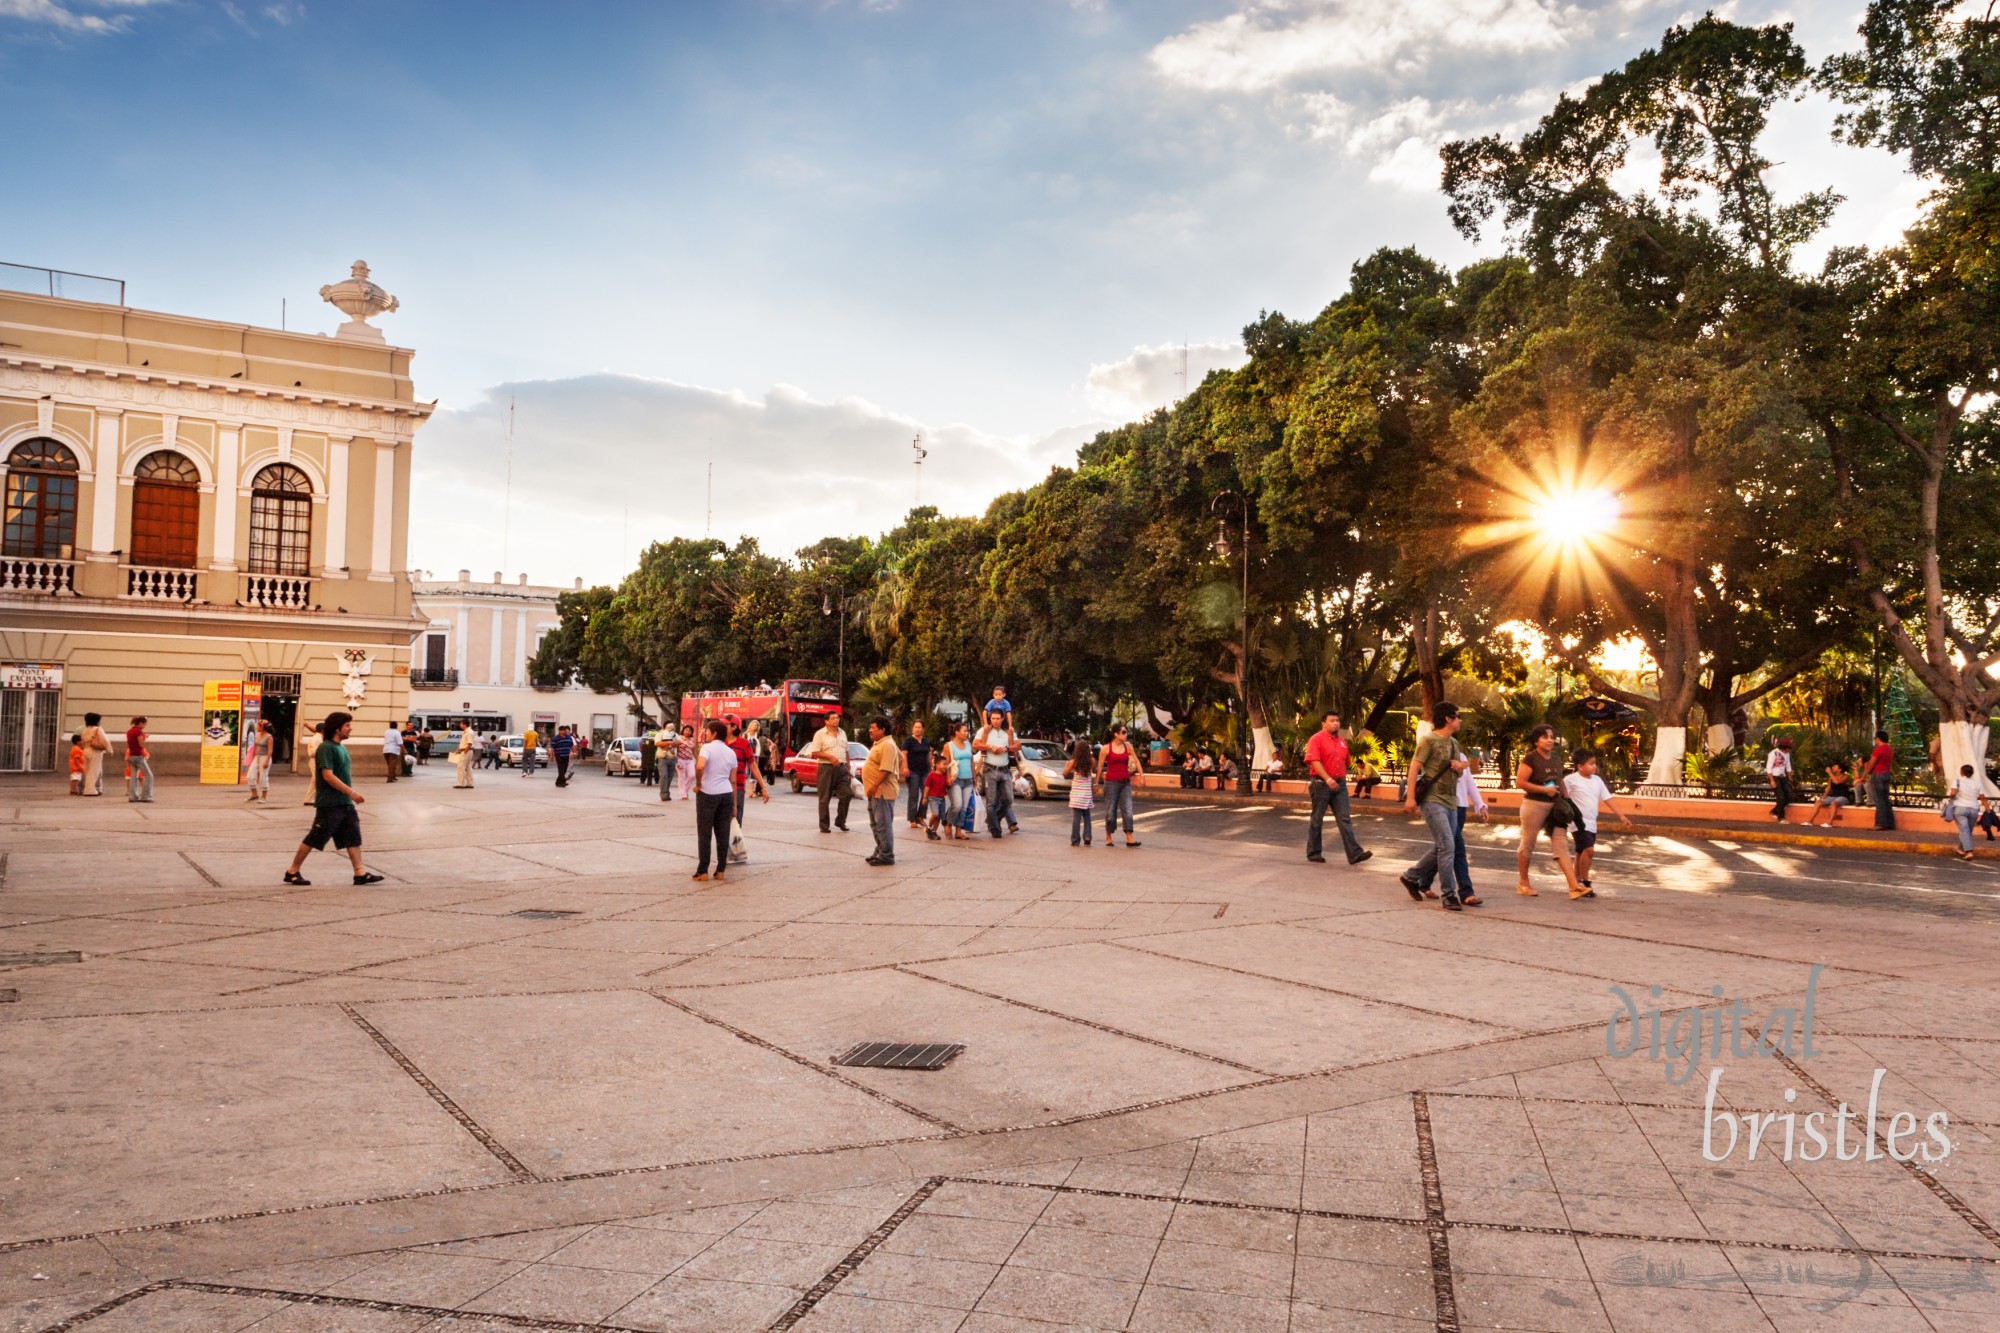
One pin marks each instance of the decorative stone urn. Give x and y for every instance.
(358, 299)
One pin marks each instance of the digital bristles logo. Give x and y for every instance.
(1681, 1042)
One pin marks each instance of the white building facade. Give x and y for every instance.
(470, 661)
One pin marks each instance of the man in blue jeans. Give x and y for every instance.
(1437, 765)
(562, 747)
(1326, 761)
(1471, 801)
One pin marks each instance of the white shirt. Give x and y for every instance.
(1586, 793)
(392, 741)
(1469, 797)
(1965, 792)
(718, 770)
(1778, 764)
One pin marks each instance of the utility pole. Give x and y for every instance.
(708, 515)
(922, 453)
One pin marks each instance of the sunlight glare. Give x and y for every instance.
(1574, 518)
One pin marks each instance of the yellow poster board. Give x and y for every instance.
(222, 732)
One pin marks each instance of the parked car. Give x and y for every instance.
(622, 758)
(804, 772)
(1041, 772)
(510, 752)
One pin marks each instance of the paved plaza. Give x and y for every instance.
(541, 1080)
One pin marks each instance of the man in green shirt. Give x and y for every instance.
(335, 817)
(1435, 767)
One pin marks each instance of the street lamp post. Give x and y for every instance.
(826, 607)
(1243, 744)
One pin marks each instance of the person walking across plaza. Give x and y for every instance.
(996, 746)
(1778, 768)
(1471, 804)
(684, 755)
(1538, 776)
(714, 799)
(937, 799)
(138, 764)
(831, 776)
(1118, 767)
(884, 765)
(302, 749)
(392, 752)
(649, 759)
(465, 757)
(531, 750)
(1962, 805)
(95, 746)
(1081, 770)
(258, 774)
(1589, 794)
(917, 764)
(562, 748)
(743, 744)
(962, 763)
(336, 813)
(309, 742)
(1431, 789)
(1326, 761)
(76, 764)
(1880, 777)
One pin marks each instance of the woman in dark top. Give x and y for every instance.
(1540, 779)
(1839, 792)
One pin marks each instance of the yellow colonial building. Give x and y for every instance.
(190, 500)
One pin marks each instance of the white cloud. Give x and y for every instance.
(1152, 376)
(70, 17)
(1277, 42)
(604, 464)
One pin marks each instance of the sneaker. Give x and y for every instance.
(1452, 905)
(1415, 889)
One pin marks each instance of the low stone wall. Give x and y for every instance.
(1691, 810)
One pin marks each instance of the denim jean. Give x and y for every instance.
(1426, 869)
(1443, 855)
(999, 799)
(960, 804)
(1965, 817)
(711, 825)
(1079, 825)
(1117, 798)
(916, 796)
(139, 786)
(1885, 813)
(882, 819)
(1334, 796)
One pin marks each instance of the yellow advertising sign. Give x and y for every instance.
(222, 732)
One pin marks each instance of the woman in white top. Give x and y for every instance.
(714, 799)
(1968, 793)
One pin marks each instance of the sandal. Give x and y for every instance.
(294, 877)
(1526, 891)
(1471, 899)
(370, 877)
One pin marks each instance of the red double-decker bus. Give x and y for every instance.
(791, 711)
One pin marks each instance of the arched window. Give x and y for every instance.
(280, 521)
(41, 501)
(166, 511)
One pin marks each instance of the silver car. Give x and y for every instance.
(1041, 771)
(510, 752)
(622, 759)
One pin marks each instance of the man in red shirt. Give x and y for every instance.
(1881, 766)
(1326, 760)
(138, 763)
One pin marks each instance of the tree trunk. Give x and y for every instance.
(1962, 743)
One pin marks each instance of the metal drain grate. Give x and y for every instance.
(39, 959)
(10, 997)
(638, 816)
(900, 1055)
(544, 913)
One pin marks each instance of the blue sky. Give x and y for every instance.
(783, 236)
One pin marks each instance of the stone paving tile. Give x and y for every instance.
(178, 1311)
(554, 1291)
(304, 1318)
(684, 1303)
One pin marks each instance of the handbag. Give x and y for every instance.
(1563, 812)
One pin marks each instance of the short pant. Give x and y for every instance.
(341, 823)
(1585, 838)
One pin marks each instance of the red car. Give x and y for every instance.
(804, 772)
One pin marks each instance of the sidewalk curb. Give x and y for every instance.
(1723, 832)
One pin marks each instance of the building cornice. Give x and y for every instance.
(248, 403)
(54, 614)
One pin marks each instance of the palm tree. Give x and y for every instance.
(1506, 727)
